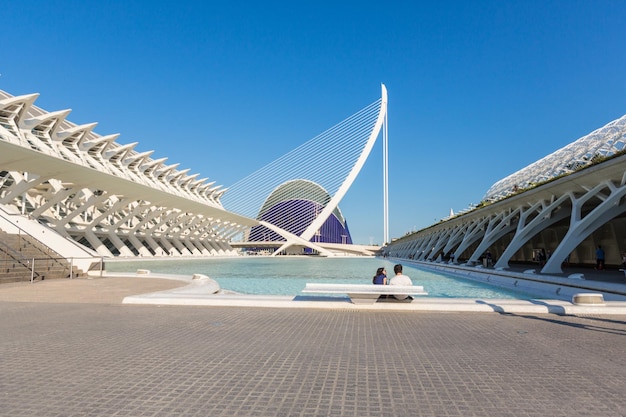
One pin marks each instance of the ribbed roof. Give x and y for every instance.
(603, 142)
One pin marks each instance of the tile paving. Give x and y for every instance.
(101, 358)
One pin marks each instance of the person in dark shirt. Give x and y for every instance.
(381, 277)
(599, 258)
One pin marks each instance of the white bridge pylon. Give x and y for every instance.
(331, 160)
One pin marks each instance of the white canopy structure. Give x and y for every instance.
(603, 142)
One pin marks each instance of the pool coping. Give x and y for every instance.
(200, 291)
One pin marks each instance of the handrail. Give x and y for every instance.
(44, 249)
(8, 219)
(32, 264)
(54, 259)
(20, 259)
(15, 253)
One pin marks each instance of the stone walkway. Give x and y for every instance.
(89, 355)
(110, 290)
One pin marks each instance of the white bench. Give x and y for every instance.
(363, 293)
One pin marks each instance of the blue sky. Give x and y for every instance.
(477, 89)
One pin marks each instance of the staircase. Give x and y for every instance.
(18, 254)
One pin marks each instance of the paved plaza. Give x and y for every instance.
(86, 354)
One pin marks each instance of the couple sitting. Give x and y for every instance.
(398, 279)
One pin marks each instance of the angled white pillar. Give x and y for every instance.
(612, 205)
(499, 225)
(86, 204)
(544, 214)
(96, 243)
(21, 186)
(475, 231)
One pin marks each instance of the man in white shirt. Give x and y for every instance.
(400, 279)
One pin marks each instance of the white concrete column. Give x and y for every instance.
(612, 205)
(544, 214)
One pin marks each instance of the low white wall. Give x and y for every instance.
(545, 286)
(17, 223)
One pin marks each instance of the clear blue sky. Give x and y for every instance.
(477, 89)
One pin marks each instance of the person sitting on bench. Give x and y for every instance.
(380, 278)
(400, 279)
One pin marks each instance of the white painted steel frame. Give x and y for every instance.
(605, 141)
(86, 185)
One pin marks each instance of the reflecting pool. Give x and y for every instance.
(286, 275)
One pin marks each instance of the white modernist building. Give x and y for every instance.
(605, 141)
(554, 212)
(60, 177)
(102, 198)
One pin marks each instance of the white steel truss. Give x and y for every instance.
(103, 194)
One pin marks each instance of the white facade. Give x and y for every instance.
(559, 210)
(105, 195)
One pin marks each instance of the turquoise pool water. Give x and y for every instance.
(288, 275)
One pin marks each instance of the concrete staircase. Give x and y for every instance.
(18, 254)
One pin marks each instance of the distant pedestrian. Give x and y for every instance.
(599, 258)
(489, 259)
(542, 257)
